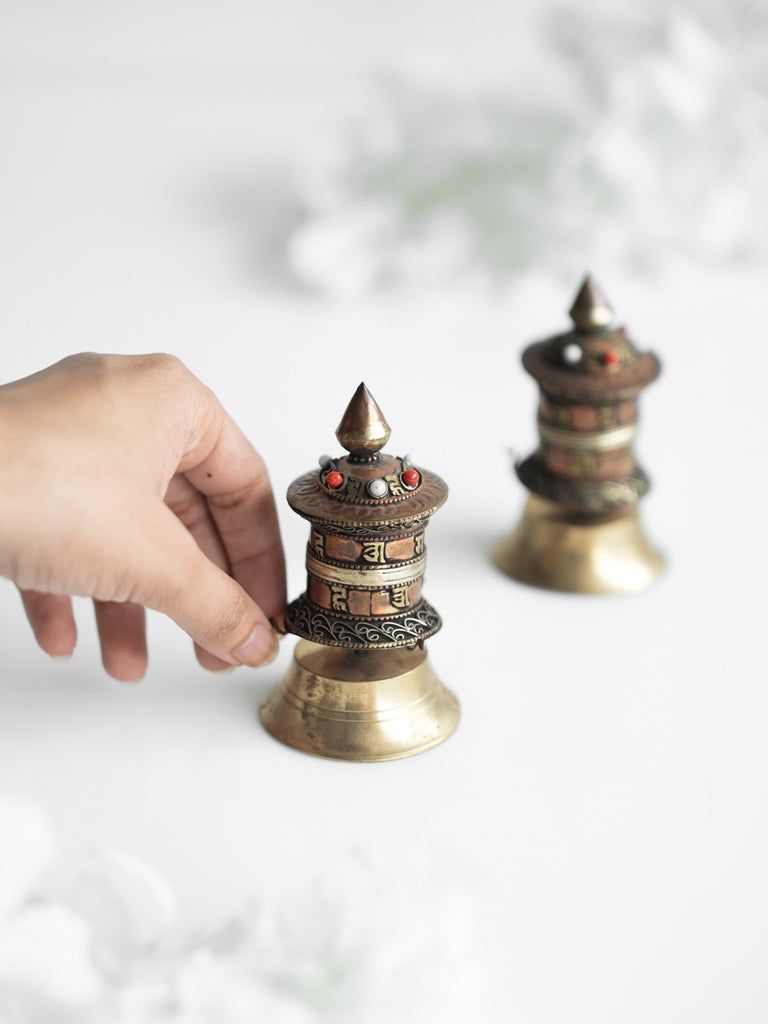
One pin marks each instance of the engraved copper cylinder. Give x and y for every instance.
(361, 687)
(580, 530)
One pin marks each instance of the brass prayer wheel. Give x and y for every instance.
(361, 687)
(580, 530)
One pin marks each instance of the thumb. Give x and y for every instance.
(182, 583)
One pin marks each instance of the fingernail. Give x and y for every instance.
(259, 649)
(61, 657)
(272, 656)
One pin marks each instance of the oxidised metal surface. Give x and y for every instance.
(589, 379)
(366, 555)
(361, 687)
(584, 478)
(307, 619)
(352, 510)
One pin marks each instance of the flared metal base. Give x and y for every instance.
(584, 554)
(360, 705)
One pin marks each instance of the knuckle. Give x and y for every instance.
(237, 497)
(88, 365)
(189, 509)
(163, 364)
(215, 623)
(82, 359)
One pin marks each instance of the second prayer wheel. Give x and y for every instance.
(580, 530)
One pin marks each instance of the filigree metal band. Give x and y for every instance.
(361, 529)
(584, 495)
(305, 619)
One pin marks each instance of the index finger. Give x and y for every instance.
(235, 482)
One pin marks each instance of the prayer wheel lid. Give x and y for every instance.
(366, 489)
(595, 361)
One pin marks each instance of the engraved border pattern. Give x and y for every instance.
(307, 497)
(589, 495)
(306, 620)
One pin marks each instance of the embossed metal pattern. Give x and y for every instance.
(584, 416)
(364, 601)
(307, 620)
(346, 549)
(561, 380)
(307, 497)
(371, 576)
(588, 495)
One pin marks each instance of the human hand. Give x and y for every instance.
(126, 481)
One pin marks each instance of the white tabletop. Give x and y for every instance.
(591, 844)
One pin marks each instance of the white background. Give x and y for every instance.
(601, 812)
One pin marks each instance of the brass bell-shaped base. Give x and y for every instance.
(368, 705)
(579, 553)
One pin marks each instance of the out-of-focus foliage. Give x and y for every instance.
(631, 134)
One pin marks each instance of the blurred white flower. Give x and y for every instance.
(46, 960)
(216, 990)
(368, 941)
(26, 850)
(340, 253)
(625, 134)
(373, 942)
(128, 905)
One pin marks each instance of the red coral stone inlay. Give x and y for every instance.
(611, 357)
(334, 479)
(411, 478)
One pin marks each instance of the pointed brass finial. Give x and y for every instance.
(363, 429)
(591, 311)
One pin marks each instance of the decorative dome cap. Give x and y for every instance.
(594, 361)
(591, 311)
(366, 489)
(363, 431)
